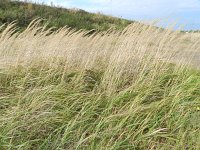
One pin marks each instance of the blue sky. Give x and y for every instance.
(182, 12)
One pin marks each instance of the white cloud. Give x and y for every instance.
(146, 6)
(143, 7)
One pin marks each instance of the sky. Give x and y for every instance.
(184, 13)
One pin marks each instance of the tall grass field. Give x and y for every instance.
(136, 89)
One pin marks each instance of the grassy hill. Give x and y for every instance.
(24, 13)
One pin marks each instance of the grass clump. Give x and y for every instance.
(110, 90)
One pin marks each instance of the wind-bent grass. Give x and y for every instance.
(111, 90)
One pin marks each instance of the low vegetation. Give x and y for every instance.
(24, 12)
(66, 89)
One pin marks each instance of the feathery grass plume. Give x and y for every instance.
(68, 89)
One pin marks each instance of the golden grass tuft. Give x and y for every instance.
(67, 89)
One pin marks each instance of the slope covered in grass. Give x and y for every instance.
(24, 13)
(110, 90)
